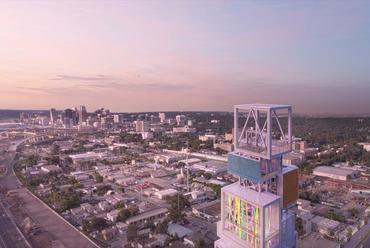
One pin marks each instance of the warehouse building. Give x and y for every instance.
(335, 173)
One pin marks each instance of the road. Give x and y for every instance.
(8, 180)
(361, 237)
(48, 220)
(10, 235)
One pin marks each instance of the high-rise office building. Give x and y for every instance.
(142, 126)
(53, 116)
(23, 116)
(118, 118)
(82, 115)
(180, 120)
(162, 117)
(70, 117)
(255, 210)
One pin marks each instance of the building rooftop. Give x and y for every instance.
(180, 231)
(288, 168)
(264, 106)
(258, 198)
(333, 170)
(167, 192)
(147, 214)
(325, 223)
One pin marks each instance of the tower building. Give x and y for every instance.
(142, 126)
(162, 117)
(53, 116)
(255, 210)
(82, 115)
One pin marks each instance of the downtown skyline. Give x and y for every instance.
(185, 56)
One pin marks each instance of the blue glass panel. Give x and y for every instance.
(244, 167)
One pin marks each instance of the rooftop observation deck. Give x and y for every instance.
(263, 130)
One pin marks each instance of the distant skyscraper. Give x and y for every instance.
(70, 118)
(82, 115)
(255, 210)
(117, 118)
(162, 117)
(23, 116)
(180, 120)
(68, 113)
(142, 126)
(53, 116)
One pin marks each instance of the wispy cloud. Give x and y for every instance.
(109, 82)
(55, 90)
(137, 86)
(97, 77)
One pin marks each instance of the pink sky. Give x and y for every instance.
(184, 55)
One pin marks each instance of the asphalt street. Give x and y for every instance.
(9, 234)
(59, 229)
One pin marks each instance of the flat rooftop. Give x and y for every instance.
(147, 214)
(288, 168)
(333, 170)
(264, 106)
(257, 198)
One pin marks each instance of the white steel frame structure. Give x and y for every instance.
(257, 140)
(262, 134)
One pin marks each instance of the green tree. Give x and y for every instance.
(124, 214)
(349, 234)
(216, 188)
(200, 243)
(94, 224)
(102, 189)
(161, 227)
(119, 205)
(177, 205)
(69, 201)
(55, 149)
(131, 232)
(207, 176)
(98, 178)
(299, 226)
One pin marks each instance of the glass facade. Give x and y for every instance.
(245, 168)
(244, 220)
(272, 225)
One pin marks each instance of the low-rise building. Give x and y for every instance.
(162, 194)
(122, 227)
(184, 129)
(89, 156)
(105, 206)
(87, 207)
(148, 216)
(178, 230)
(293, 158)
(113, 215)
(324, 225)
(207, 137)
(212, 167)
(209, 210)
(366, 146)
(50, 168)
(224, 146)
(335, 173)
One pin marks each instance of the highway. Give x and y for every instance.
(360, 239)
(10, 235)
(49, 221)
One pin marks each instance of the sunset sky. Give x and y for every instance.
(185, 55)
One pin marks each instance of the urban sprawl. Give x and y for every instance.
(258, 177)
